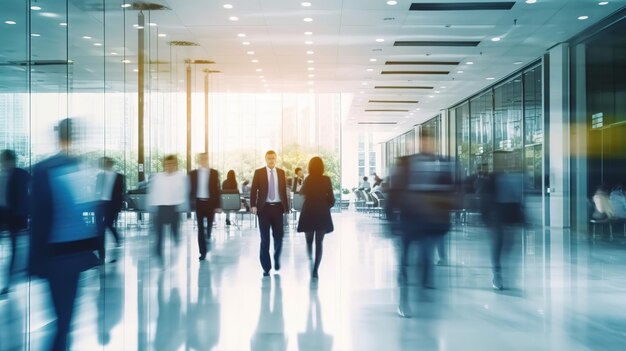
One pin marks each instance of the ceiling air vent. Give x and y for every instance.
(375, 123)
(199, 62)
(386, 110)
(147, 6)
(416, 72)
(424, 63)
(462, 43)
(461, 6)
(393, 101)
(402, 87)
(182, 43)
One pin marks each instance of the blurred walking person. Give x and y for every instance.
(204, 197)
(110, 189)
(14, 205)
(315, 219)
(167, 193)
(62, 243)
(422, 192)
(229, 186)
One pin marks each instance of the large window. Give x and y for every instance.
(481, 135)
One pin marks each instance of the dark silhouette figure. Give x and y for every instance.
(229, 186)
(110, 304)
(315, 219)
(14, 205)
(268, 197)
(62, 243)
(204, 197)
(110, 188)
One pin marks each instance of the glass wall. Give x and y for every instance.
(481, 130)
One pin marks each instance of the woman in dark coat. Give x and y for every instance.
(229, 186)
(315, 220)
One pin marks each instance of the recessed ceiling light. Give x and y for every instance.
(531, 1)
(35, 35)
(310, 52)
(490, 78)
(431, 96)
(602, 3)
(233, 18)
(495, 39)
(135, 70)
(392, 2)
(152, 24)
(250, 52)
(311, 75)
(310, 83)
(308, 19)
(380, 40)
(97, 44)
(86, 37)
(364, 83)
(310, 61)
(362, 92)
(228, 6)
(436, 91)
(255, 61)
(49, 14)
(162, 35)
(308, 42)
(10, 22)
(126, 61)
(246, 43)
(259, 70)
(369, 69)
(442, 87)
(126, 5)
(306, 4)
(311, 68)
(308, 33)
(114, 53)
(241, 35)
(265, 85)
(582, 18)
(469, 62)
(518, 62)
(35, 8)
(459, 71)
(372, 60)
(63, 24)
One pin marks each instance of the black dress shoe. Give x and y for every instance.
(202, 257)
(266, 274)
(277, 266)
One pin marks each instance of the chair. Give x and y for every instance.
(230, 203)
(296, 205)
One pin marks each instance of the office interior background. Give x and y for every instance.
(535, 85)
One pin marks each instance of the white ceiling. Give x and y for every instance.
(344, 42)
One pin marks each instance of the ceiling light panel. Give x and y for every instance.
(461, 6)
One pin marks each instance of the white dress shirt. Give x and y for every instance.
(203, 183)
(276, 193)
(168, 189)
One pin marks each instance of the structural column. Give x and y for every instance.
(140, 98)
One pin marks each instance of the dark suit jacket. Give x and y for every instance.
(45, 211)
(214, 188)
(17, 192)
(117, 197)
(260, 187)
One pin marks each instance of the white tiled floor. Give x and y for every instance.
(565, 293)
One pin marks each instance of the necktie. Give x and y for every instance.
(272, 191)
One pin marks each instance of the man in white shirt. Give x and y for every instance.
(168, 194)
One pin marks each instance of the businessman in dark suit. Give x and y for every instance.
(204, 197)
(62, 243)
(268, 197)
(110, 188)
(14, 204)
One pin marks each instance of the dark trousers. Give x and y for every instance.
(271, 217)
(63, 282)
(166, 215)
(426, 245)
(319, 243)
(204, 210)
(105, 218)
(14, 224)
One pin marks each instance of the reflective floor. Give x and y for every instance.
(563, 292)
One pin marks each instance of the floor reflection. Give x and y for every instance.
(203, 317)
(314, 337)
(270, 330)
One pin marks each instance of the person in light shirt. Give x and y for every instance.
(167, 194)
